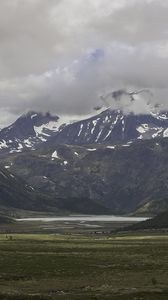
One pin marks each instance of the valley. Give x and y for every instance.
(56, 266)
(79, 257)
(60, 236)
(83, 150)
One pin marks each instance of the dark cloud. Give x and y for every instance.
(63, 55)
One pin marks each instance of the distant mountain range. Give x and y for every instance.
(108, 163)
(111, 127)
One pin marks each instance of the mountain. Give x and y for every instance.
(16, 194)
(13, 191)
(113, 127)
(28, 131)
(121, 179)
(110, 162)
(34, 129)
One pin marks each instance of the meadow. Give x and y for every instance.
(83, 267)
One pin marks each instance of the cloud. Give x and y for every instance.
(62, 55)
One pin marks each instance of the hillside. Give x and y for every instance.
(153, 207)
(122, 179)
(5, 219)
(16, 194)
(158, 222)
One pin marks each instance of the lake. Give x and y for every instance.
(90, 218)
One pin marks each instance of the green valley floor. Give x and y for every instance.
(79, 267)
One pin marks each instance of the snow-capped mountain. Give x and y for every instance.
(29, 130)
(108, 127)
(113, 127)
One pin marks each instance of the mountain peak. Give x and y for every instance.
(34, 115)
(27, 131)
(107, 127)
(30, 114)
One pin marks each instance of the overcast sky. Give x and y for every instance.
(61, 55)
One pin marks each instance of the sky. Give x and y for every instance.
(63, 55)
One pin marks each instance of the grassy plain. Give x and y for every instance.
(84, 267)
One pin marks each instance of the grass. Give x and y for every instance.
(48, 266)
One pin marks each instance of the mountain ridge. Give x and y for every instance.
(33, 129)
(118, 161)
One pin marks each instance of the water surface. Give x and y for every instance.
(89, 218)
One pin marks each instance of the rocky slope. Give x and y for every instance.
(16, 194)
(121, 178)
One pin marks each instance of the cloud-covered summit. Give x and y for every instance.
(63, 55)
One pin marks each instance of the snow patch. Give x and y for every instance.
(92, 149)
(117, 118)
(111, 147)
(3, 144)
(143, 128)
(42, 139)
(80, 131)
(159, 130)
(98, 136)
(33, 116)
(39, 131)
(28, 143)
(94, 126)
(20, 146)
(110, 131)
(54, 155)
(159, 116)
(52, 126)
(165, 133)
(15, 151)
